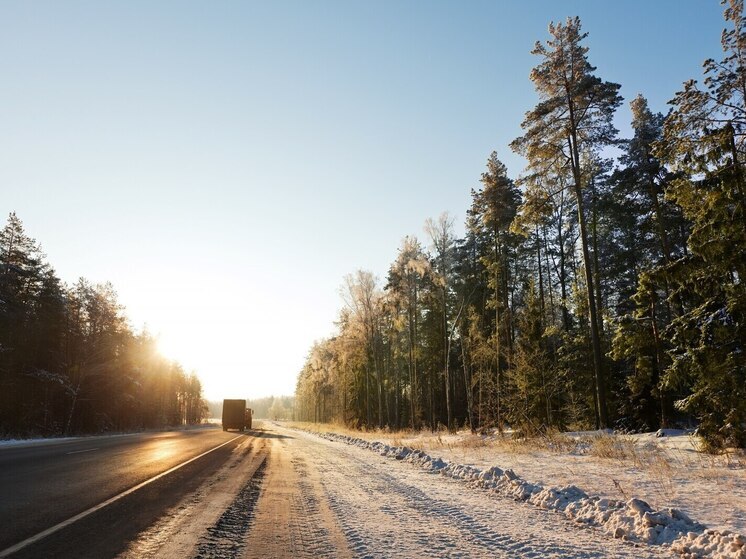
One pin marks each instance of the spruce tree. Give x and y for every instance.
(651, 233)
(703, 140)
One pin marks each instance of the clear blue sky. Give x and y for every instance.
(225, 164)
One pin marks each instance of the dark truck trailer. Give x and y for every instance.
(235, 414)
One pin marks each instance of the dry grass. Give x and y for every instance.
(613, 447)
(658, 465)
(516, 443)
(385, 434)
(662, 472)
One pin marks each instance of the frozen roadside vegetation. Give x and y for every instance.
(631, 518)
(19, 442)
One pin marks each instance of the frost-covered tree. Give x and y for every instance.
(440, 233)
(363, 300)
(408, 278)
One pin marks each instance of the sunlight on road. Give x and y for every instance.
(161, 451)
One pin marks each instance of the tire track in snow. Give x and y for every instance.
(307, 520)
(293, 516)
(226, 538)
(430, 526)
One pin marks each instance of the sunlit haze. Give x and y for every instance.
(225, 164)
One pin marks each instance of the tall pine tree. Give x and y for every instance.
(573, 118)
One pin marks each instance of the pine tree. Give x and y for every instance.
(533, 375)
(572, 119)
(441, 236)
(493, 209)
(24, 283)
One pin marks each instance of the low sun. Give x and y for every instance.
(172, 348)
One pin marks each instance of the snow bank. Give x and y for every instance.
(632, 520)
(18, 442)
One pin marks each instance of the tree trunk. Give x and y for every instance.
(658, 360)
(592, 309)
(563, 277)
(596, 273)
(497, 330)
(379, 378)
(446, 340)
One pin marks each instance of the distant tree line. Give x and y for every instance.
(590, 292)
(70, 362)
(270, 407)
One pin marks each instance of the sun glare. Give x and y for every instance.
(171, 347)
(214, 346)
(228, 336)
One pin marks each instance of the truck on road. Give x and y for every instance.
(236, 415)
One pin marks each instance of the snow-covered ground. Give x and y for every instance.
(628, 485)
(391, 508)
(22, 442)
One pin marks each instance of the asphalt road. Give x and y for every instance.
(45, 483)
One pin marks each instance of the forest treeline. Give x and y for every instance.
(269, 407)
(272, 407)
(591, 291)
(69, 360)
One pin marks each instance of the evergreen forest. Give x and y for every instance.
(599, 289)
(70, 363)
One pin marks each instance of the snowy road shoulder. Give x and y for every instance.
(388, 508)
(632, 520)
